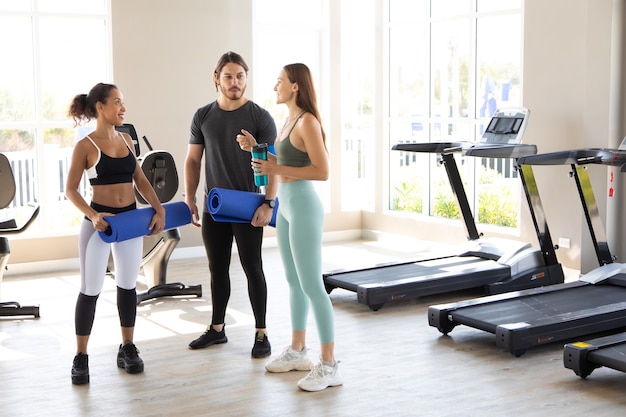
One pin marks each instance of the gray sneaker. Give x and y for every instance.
(322, 376)
(290, 360)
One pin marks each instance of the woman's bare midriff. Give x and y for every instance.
(114, 195)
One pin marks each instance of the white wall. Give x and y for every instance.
(569, 84)
(164, 54)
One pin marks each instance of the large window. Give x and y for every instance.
(451, 65)
(403, 71)
(275, 47)
(51, 50)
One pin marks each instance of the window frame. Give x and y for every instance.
(34, 185)
(471, 172)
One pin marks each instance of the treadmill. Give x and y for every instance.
(594, 304)
(609, 351)
(498, 265)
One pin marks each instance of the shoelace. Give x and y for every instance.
(130, 351)
(317, 371)
(286, 354)
(80, 361)
(290, 354)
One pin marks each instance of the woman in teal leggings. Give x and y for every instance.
(299, 224)
(301, 157)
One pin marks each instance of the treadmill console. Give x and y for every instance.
(506, 126)
(502, 137)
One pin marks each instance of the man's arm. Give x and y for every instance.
(193, 169)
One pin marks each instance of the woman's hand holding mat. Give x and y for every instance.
(135, 223)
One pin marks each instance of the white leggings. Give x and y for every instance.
(94, 256)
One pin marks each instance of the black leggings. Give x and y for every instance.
(218, 243)
(86, 310)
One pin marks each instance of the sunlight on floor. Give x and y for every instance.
(56, 297)
(162, 324)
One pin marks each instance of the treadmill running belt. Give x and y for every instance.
(541, 306)
(375, 287)
(417, 271)
(527, 321)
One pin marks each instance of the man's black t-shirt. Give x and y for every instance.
(226, 165)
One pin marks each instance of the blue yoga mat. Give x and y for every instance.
(134, 223)
(235, 206)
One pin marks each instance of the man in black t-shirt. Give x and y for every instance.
(214, 130)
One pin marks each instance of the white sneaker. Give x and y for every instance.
(321, 377)
(290, 360)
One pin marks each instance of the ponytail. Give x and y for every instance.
(83, 106)
(78, 109)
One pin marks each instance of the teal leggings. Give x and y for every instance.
(299, 227)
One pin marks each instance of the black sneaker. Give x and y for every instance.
(262, 347)
(80, 369)
(208, 338)
(128, 358)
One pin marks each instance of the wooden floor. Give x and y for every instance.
(392, 362)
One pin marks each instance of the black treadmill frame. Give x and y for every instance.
(584, 357)
(518, 336)
(495, 277)
(375, 295)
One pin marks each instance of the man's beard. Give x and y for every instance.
(234, 94)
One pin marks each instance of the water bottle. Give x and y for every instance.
(260, 152)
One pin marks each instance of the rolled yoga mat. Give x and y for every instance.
(134, 223)
(235, 206)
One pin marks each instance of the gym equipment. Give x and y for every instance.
(497, 264)
(10, 226)
(160, 169)
(584, 357)
(236, 206)
(594, 304)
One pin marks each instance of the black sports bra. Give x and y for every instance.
(108, 170)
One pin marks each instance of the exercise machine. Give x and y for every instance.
(10, 226)
(498, 265)
(594, 304)
(160, 169)
(584, 357)
(609, 351)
